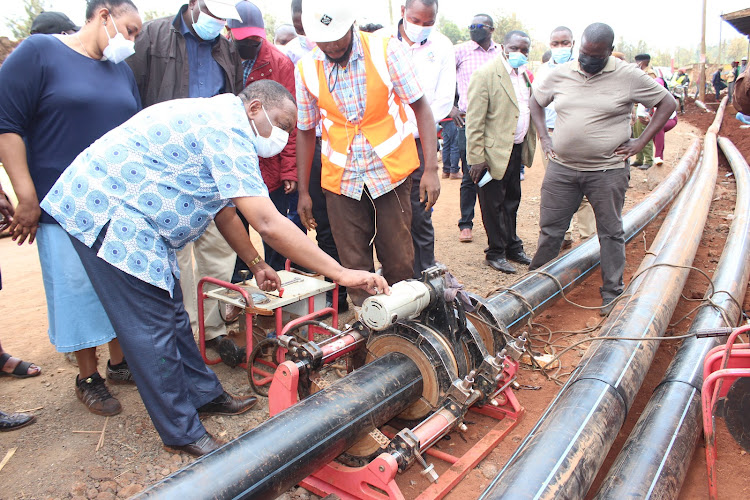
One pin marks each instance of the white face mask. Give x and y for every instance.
(119, 48)
(267, 147)
(416, 33)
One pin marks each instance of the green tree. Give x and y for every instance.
(21, 26)
(505, 24)
(452, 31)
(150, 15)
(270, 21)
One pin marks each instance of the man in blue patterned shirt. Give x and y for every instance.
(144, 191)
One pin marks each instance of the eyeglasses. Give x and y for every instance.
(477, 27)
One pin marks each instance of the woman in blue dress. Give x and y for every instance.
(59, 94)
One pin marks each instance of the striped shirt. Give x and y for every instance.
(470, 56)
(349, 90)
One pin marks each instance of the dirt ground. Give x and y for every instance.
(54, 461)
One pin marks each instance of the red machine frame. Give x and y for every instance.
(377, 480)
(723, 365)
(250, 315)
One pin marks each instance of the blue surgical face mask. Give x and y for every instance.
(562, 54)
(206, 26)
(516, 60)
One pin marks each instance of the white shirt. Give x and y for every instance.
(523, 93)
(435, 65)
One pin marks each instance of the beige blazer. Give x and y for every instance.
(492, 117)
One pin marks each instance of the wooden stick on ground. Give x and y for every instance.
(101, 438)
(30, 410)
(86, 432)
(7, 457)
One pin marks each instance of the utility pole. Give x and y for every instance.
(390, 11)
(702, 63)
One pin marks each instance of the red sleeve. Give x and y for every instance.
(285, 76)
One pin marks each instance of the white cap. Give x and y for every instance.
(223, 9)
(327, 20)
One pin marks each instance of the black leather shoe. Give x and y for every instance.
(206, 444)
(230, 353)
(520, 257)
(226, 404)
(343, 304)
(501, 265)
(13, 421)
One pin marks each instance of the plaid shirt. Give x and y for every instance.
(470, 56)
(363, 166)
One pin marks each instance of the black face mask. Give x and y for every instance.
(592, 65)
(247, 48)
(479, 35)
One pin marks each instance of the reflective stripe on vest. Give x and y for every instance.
(387, 129)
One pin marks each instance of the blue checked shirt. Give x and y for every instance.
(158, 180)
(363, 166)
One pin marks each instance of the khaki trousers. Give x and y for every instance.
(209, 255)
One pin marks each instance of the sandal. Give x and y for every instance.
(20, 371)
(13, 421)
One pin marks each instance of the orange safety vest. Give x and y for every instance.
(384, 124)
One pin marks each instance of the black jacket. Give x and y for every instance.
(160, 62)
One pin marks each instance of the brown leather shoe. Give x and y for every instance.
(226, 404)
(566, 244)
(465, 235)
(456, 176)
(446, 175)
(204, 445)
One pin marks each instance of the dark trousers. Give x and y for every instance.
(562, 191)
(323, 234)
(499, 201)
(469, 190)
(451, 154)
(154, 332)
(388, 218)
(422, 232)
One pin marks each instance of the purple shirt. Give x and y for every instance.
(470, 56)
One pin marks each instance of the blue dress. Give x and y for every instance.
(60, 102)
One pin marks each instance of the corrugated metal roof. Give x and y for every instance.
(740, 20)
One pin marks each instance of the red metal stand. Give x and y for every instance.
(723, 365)
(249, 317)
(377, 480)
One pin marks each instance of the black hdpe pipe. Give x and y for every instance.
(653, 462)
(268, 460)
(564, 451)
(231, 467)
(572, 268)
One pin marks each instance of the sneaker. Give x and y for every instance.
(645, 166)
(93, 392)
(607, 305)
(658, 161)
(636, 164)
(523, 177)
(119, 374)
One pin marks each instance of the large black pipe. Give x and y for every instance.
(655, 458)
(564, 451)
(276, 455)
(570, 269)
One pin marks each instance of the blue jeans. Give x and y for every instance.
(451, 154)
(469, 189)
